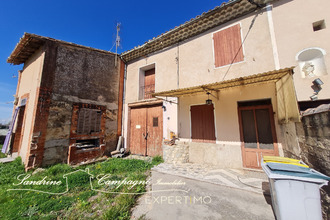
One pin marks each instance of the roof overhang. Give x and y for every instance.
(272, 76)
(208, 20)
(30, 43)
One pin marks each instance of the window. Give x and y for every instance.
(318, 25)
(89, 143)
(227, 43)
(155, 121)
(202, 123)
(89, 121)
(148, 84)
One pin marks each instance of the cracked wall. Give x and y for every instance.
(82, 76)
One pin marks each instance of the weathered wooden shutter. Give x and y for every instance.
(149, 83)
(89, 121)
(227, 42)
(202, 123)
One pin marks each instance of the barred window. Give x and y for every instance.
(89, 121)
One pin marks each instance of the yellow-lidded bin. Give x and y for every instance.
(286, 160)
(294, 188)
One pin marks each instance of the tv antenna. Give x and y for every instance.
(117, 41)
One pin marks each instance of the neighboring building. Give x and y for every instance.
(224, 82)
(67, 95)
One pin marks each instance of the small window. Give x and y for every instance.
(90, 143)
(23, 102)
(89, 121)
(155, 121)
(318, 25)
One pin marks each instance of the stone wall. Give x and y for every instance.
(313, 141)
(81, 76)
(222, 155)
(178, 153)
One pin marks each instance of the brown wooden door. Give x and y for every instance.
(154, 130)
(146, 130)
(17, 137)
(138, 144)
(258, 135)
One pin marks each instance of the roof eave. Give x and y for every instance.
(215, 17)
(24, 48)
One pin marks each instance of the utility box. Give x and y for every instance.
(295, 188)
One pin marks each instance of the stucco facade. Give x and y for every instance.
(29, 82)
(269, 42)
(293, 26)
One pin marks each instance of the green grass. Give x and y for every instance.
(80, 201)
(2, 155)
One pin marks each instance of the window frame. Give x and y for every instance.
(141, 82)
(96, 123)
(242, 47)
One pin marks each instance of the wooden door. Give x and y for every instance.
(146, 130)
(138, 144)
(17, 136)
(154, 130)
(257, 129)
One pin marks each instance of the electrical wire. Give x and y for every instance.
(251, 25)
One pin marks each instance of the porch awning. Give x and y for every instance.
(241, 81)
(286, 96)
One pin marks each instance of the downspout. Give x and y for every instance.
(124, 108)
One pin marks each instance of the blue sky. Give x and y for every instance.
(89, 23)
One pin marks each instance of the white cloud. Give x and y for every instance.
(5, 120)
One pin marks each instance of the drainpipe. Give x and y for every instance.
(123, 114)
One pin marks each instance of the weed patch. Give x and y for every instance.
(79, 194)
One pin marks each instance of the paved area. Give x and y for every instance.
(7, 159)
(254, 181)
(176, 197)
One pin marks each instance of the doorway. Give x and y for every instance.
(146, 130)
(257, 132)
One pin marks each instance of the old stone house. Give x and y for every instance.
(68, 101)
(228, 82)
